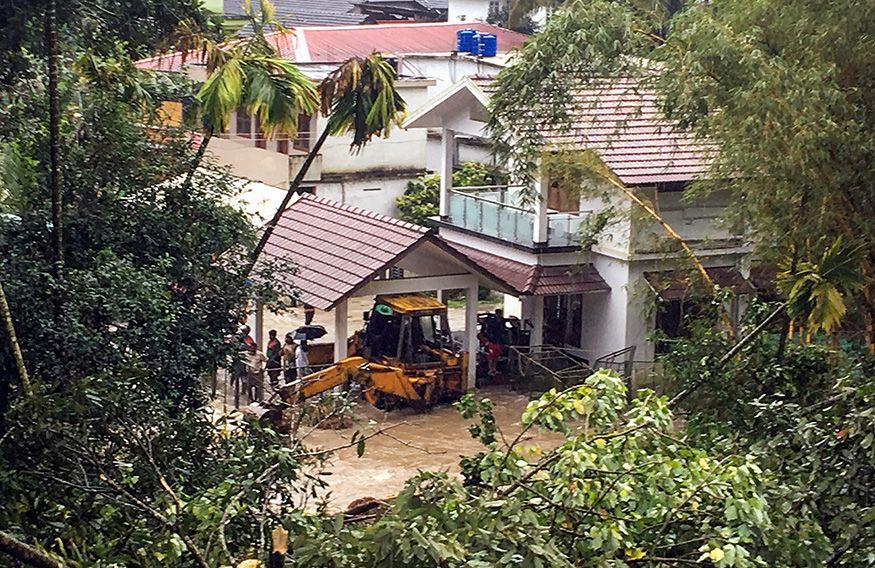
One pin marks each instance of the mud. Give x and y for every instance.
(434, 440)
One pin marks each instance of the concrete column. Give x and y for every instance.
(341, 332)
(470, 343)
(443, 296)
(536, 315)
(448, 152)
(541, 223)
(259, 325)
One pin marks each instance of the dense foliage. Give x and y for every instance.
(809, 421)
(618, 489)
(421, 199)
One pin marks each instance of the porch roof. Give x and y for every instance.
(677, 285)
(337, 249)
(537, 280)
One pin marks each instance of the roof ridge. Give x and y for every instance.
(360, 211)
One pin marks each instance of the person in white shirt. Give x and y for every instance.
(255, 375)
(302, 363)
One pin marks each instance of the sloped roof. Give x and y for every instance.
(336, 249)
(335, 44)
(536, 280)
(676, 285)
(619, 120)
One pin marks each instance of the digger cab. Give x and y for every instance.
(410, 329)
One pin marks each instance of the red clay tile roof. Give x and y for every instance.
(537, 280)
(673, 285)
(335, 44)
(620, 121)
(336, 249)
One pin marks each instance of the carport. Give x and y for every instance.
(341, 252)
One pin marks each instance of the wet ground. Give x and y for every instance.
(434, 440)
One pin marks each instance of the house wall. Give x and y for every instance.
(376, 193)
(446, 68)
(467, 10)
(697, 221)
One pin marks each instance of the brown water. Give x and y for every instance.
(434, 440)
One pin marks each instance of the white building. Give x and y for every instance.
(602, 300)
(427, 63)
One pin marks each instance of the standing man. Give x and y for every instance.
(302, 361)
(274, 354)
(309, 312)
(288, 353)
(255, 375)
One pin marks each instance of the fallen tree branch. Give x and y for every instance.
(24, 552)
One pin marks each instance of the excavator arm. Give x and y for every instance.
(372, 376)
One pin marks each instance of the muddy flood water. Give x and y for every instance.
(412, 441)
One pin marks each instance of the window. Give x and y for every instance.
(302, 140)
(244, 123)
(282, 145)
(260, 139)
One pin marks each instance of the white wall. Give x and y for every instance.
(697, 221)
(447, 69)
(377, 194)
(468, 10)
(249, 162)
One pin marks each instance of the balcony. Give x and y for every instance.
(495, 211)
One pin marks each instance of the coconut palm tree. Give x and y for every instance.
(250, 74)
(358, 98)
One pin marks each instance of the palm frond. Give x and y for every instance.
(816, 290)
(359, 98)
(221, 93)
(277, 92)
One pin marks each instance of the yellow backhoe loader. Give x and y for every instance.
(405, 355)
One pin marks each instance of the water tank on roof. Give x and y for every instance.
(487, 45)
(465, 40)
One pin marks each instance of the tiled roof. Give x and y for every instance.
(536, 280)
(336, 249)
(335, 44)
(619, 120)
(341, 43)
(675, 285)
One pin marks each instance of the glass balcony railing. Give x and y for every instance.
(563, 229)
(487, 211)
(495, 211)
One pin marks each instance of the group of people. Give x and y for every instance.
(288, 358)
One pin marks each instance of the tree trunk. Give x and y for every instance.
(198, 158)
(51, 46)
(9, 325)
(25, 553)
(293, 188)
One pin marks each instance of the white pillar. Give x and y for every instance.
(470, 343)
(448, 152)
(536, 318)
(443, 296)
(259, 324)
(541, 223)
(341, 332)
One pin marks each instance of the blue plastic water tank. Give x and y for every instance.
(465, 40)
(487, 45)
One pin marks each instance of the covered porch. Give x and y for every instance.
(342, 254)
